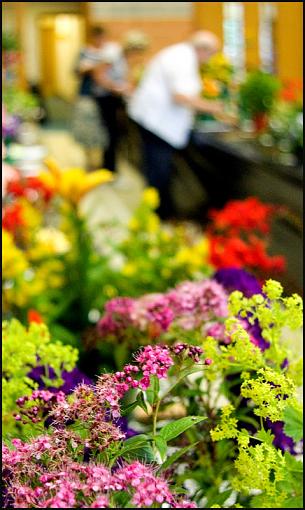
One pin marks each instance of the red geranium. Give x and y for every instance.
(249, 214)
(31, 188)
(13, 217)
(292, 91)
(238, 236)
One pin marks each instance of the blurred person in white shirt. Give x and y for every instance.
(164, 104)
(113, 81)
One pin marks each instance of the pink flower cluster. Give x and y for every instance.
(65, 483)
(34, 408)
(152, 360)
(189, 306)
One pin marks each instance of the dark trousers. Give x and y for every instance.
(157, 168)
(108, 109)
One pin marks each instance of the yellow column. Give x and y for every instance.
(251, 14)
(289, 40)
(208, 16)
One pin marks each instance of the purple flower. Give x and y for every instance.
(281, 440)
(238, 279)
(10, 127)
(71, 379)
(122, 423)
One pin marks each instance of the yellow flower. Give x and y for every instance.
(202, 247)
(150, 197)
(73, 183)
(193, 257)
(129, 269)
(153, 223)
(14, 262)
(134, 224)
(109, 291)
(32, 217)
(49, 241)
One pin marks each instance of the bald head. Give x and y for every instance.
(206, 44)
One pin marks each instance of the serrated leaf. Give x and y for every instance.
(176, 455)
(175, 428)
(293, 426)
(161, 445)
(266, 436)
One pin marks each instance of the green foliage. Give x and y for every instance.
(9, 42)
(273, 313)
(258, 92)
(24, 349)
(255, 383)
(259, 467)
(227, 428)
(293, 418)
(175, 428)
(20, 103)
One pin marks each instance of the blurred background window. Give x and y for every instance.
(267, 20)
(234, 33)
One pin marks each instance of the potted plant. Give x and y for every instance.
(257, 96)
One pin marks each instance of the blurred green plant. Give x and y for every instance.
(258, 93)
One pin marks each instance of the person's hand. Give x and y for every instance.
(218, 109)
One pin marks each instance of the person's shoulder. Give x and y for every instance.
(175, 53)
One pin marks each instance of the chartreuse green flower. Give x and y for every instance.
(273, 312)
(268, 380)
(22, 349)
(271, 392)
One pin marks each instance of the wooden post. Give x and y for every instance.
(289, 40)
(251, 10)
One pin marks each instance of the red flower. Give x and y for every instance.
(292, 91)
(31, 188)
(34, 316)
(12, 217)
(249, 214)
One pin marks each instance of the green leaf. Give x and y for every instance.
(293, 419)
(153, 390)
(266, 436)
(176, 455)
(161, 445)
(292, 464)
(135, 442)
(175, 428)
(129, 408)
(141, 402)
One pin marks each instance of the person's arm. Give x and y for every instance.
(99, 75)
(214, 107)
